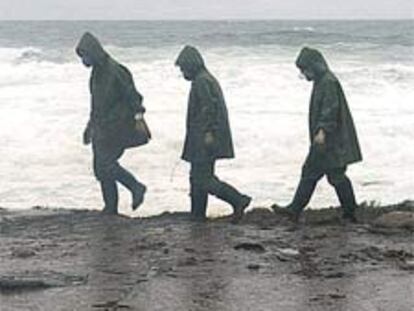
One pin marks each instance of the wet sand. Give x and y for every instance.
(83, 260)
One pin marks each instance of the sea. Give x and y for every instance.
(45, 102)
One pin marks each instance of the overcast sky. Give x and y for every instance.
(206, 9)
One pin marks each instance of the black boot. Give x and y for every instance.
(199, 200)
(231, 195)
(138, 196)
(110, 196)
(301, 198)
(346, 196)
(302, 195)
(129, 181)
(238, 213)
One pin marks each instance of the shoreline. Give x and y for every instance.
(365, 209)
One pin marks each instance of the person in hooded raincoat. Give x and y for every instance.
(208, 137)
(116, 106)
(333, 140)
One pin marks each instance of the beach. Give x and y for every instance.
(57, 259)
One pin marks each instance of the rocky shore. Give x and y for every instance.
(57, 259)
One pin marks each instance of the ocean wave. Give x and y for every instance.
(300, 29)
(298, 36)
(350, 54)
(30, 55)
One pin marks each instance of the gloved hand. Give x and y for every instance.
(141, 125)
(209, 139)
(320, 137)
(87, 135)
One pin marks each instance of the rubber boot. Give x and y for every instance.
(231, 195)
(128, 180)
(110, 196)
(239, 209)
(346, 196)
(199, 200)
(301, 198)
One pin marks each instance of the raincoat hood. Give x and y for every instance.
(90, 45)
(190, 60)
(313, 60)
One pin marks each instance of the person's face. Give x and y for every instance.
(309, 75)
(186, 73)
(86, 59)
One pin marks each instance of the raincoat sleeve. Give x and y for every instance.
(208, 98)
(132, 97)
(328, 116)
(91, 112)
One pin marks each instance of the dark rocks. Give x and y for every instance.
(251, 247)
(407, 265)
(39, 281)
(329, 296)
(398, 254)
(111, 305)
(337, 296)
(334, 275)
(254, 267)
(23, 253)
(398, 219)
(189, 261)
(9, 285)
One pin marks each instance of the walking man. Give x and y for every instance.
(116, 109)
(333, 139)
(208, 137)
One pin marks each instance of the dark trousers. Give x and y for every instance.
(313, 170)
(203, 182)
(108, 171)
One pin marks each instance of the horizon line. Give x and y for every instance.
(207, 20)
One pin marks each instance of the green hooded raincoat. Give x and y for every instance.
(329, 111)
(206, 112)
(114, 98)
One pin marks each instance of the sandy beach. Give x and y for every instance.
(56, 259)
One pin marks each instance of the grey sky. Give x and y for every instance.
(206, 9)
